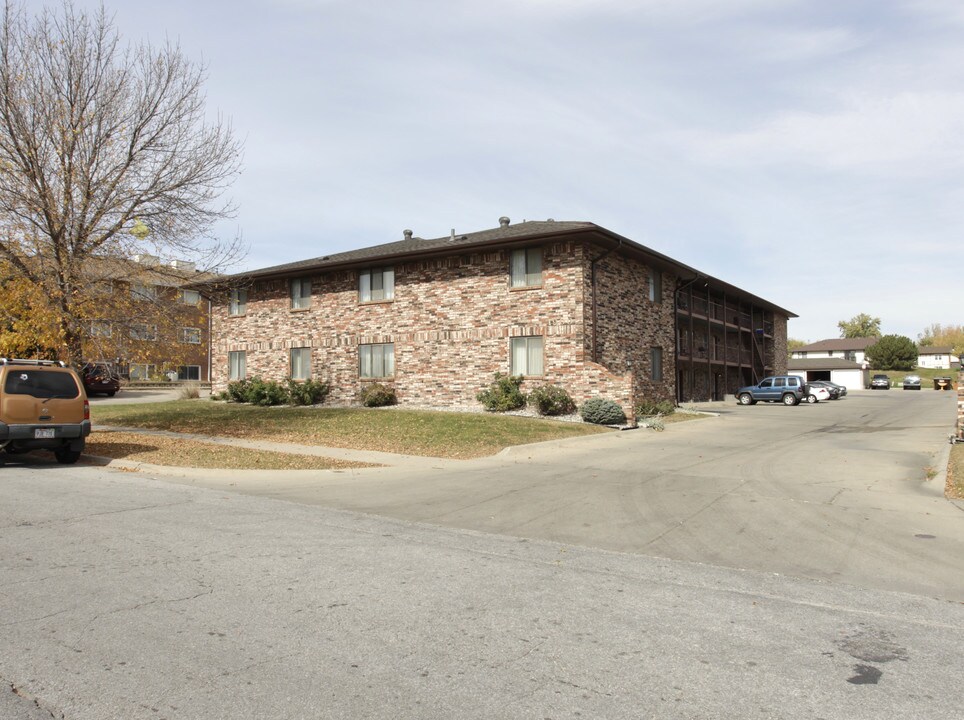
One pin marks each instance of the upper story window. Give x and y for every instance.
(191, 336)
(300, 293)
(100, 328)
(190, 297)
(376, 284)
(140, 291)
(525, 267)
(239, 302)
(142, 331)
(656, 286)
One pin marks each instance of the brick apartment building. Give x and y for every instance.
(567, 303)
(145, 322)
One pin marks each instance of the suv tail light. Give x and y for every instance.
(86, 410)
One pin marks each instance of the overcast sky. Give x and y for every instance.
(807, 151)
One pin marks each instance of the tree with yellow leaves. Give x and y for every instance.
(105, 154)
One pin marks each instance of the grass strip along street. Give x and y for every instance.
(410, 432)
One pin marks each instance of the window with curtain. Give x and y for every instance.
(237, 365)
(239, 302)
(300, 363)
(525, 267)
(190, 297)
(142, 331)
(656, 363)
(300, 293)
(526, 356)
(376, 284)
(376, 360)
(656, 286)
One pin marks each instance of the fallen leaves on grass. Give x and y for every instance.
(396, 430)
(156, 450)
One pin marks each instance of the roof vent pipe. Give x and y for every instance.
(452, 236)
(503, 221)
(407, 234)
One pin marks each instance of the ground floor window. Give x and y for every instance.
(377, 360)
(300, 363)
(141, 371)
(656, 363)
(237, 365)
(189, 372)
(526, 356)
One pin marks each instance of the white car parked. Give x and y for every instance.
(815, 393)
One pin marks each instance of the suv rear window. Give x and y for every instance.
(41, 384)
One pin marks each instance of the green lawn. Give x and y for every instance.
(413, 432)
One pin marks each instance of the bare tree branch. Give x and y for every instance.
(98, 140)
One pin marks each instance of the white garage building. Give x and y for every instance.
(852, 375)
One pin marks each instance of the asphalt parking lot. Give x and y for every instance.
(239, 594)
(848, 491)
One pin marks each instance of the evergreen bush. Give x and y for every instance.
(503, 394)
(600, 411)
(552, 400)
(307, 392)
(378, 395)
(648, 408)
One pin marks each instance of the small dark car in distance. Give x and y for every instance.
(99, 379)
(880, 382)
(912, 382)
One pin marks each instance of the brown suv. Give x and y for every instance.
(42, 406)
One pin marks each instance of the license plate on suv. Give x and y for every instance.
(41, 433)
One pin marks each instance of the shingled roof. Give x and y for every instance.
(506, 235)
(838, 344)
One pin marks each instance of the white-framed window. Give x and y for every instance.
(191, 336)
(525, 267)
(526, 356)
(300, 363)
(238, 304)
(189, 372)
(141, 371)
(237, 365)
(376, 360)
(143, 331)
(190, 297)
(100, 328)
(656, 363)
(376, 284)
(300, 289)
(140, 291)
(655, 286)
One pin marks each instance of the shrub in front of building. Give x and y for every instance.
(600, 411)
(504, 394)
(552, 400)
(378, 395)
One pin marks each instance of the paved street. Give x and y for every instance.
(127, 595)
(837, 491)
